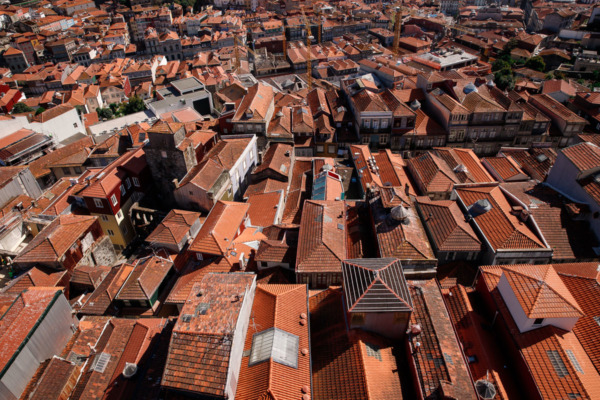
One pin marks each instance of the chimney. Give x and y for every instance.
(176, 183)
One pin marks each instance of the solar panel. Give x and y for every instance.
(574, 361)
(557, 363)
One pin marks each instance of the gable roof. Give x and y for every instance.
(323, 236)
(584, 156)
(173, 228)
(501, 228)
(56, 238)
(432, 173)
(143, 282)
(447, 225)
(220, 228)
(375, 285)
(281, 307)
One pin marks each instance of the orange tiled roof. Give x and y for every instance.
(145, 279)
(55, 239)
(173, 227)
(323, 236)
(342, 367)
(16, 324)
(535, 346)
(199, 358)
(432, 173)
(501, 228)
(220, 228)
(447, 226)
(280, 307)
(264, 208)
(192, 274)
(541, 292)
(584, 155)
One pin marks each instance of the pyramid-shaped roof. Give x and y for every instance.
(541, 292)
(375, 285)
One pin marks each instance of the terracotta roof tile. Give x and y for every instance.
(220, 228)
(584, 156)
(173, 228)
(145, 279)
(322, 237)
(447, 225)
(501, 228)
(280, 307)
(535, 347)
(432, 173)
(264, 208)
(199, 357)
(439, 360)
(56, 238)
(341, 366)
(194, 273)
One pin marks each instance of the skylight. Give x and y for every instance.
(557, 363)
(373, 351)
(574, 361)
(100, 362)
(274, 343)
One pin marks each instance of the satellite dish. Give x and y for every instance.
(129, 370)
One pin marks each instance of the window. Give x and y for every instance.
(375, 124)
(163, 154)
(199, 256)
(276, 344)
(538, 321)
(110, 232)
(66, 170)
(128, 181)
(383, 139)
(125, 230)
(98, 203)
(320, 148)
(77, 170)
(75, 125)
(113, 199)
(367, 124)
(384, 124)
(244, 164)
(104, 218)
(122, 190)
(365, 140)
(136, 182)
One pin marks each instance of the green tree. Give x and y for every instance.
(504, 81)
(135, 104)
(536, 63)
(21, 108)
(39, 110)
(105, 113)
(508, 47)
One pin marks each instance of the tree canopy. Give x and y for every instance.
(21, 108)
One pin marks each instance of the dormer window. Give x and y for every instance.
(249, 114)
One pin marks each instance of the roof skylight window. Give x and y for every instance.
(277, 344)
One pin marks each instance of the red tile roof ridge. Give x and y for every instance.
(548, 279)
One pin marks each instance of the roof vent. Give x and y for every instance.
(415, 104)
(485, 389)
(469, 88)
(399, 214)
(279, 114)
(480, 207)
(129, 370)
(541, 157)
(461, 168)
